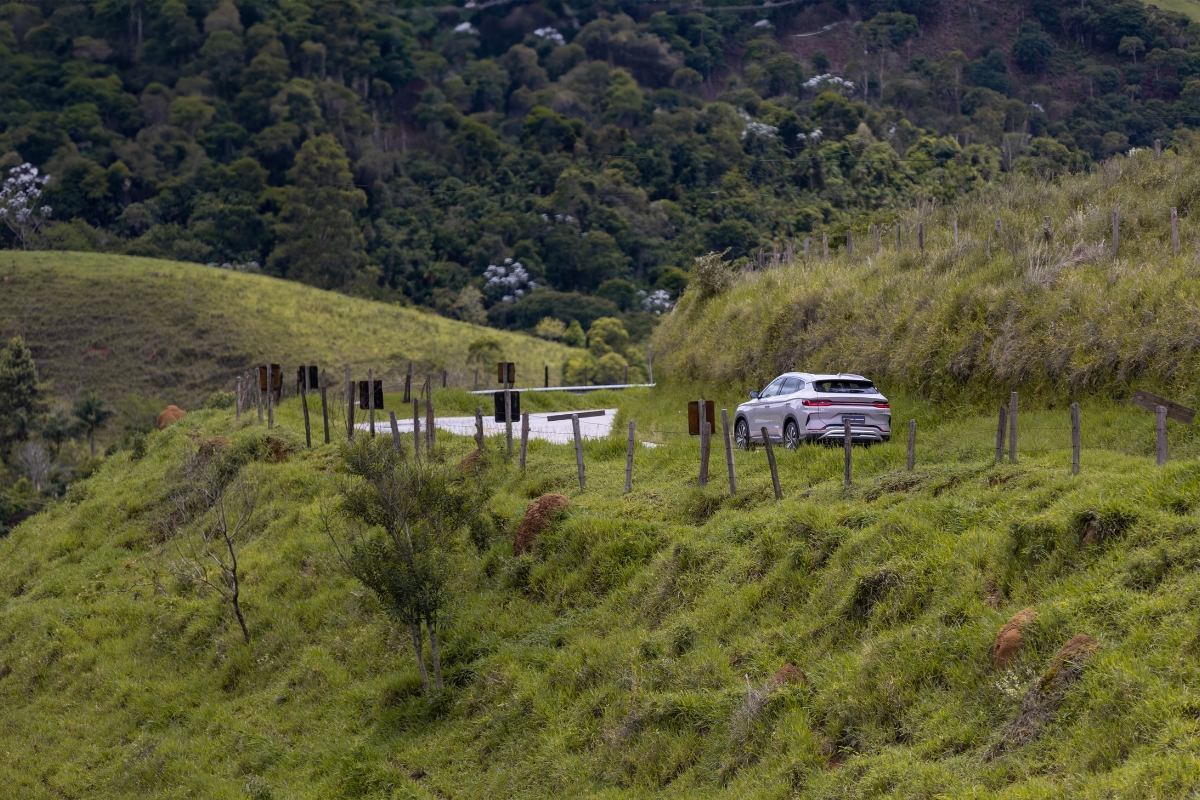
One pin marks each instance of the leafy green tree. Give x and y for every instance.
(19, 391)
(574, 335)
(319, 239)
(1033, 48)
(93, 415)
(607, 335)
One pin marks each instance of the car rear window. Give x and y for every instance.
(844, 386)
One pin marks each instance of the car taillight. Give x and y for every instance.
(882, 405)
(822, 403)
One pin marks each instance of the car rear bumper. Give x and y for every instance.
(858, 435)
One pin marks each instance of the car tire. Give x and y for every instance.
(791, 435)
(741, 435)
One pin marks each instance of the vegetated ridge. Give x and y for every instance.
(171, 332)
(1005, 308)
(403, 151)
(667, 643)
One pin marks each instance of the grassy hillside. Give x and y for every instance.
(631, 654)
(1004, 309)
(176, 332)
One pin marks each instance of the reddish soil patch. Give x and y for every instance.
(471, 462)
(790, 674)
(170, 415)
(537, 518)
(1011, 637)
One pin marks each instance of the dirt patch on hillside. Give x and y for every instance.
(538, 516)
(1011, 637)
(169, 416)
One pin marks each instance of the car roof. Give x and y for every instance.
(817, 376)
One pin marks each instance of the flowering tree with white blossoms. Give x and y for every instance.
(19, 206)
(510, 280)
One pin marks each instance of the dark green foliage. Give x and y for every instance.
(1033, 48)
(18, 391)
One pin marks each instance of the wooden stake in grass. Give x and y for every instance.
(1116, 234)
(1048, 231)
(1160, 415)
(443, 379)
(1075, 430)
(629, 461)
(728, 451)
(771, 464)
(349, 406)
(848, 440)
(956, 233)
(524, 437)
(371, 401)
(408, 383)
(705, 435)
(1174, 231)
(849, 242)
(478, 427)
(578, 450)
(270, 398)
(825, 246)
(304, 408)
(1000, 430)
(416, 428)
(921, 236)
(897, 237)
(912, 444)
(237, 414)
(430, 435)
(395, 430)
(1158, 147)
(875, 235)
(806, 249)
(547, 366)
(1012, 427)
(325, 405)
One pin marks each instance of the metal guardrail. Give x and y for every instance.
(570, 388)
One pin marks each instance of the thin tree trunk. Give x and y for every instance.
(237, 610)
(437, 655)
(419, 650)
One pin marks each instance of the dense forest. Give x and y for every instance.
(508, 161)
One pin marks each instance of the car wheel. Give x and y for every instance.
(791, 435)
(741, 435)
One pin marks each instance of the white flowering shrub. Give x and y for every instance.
(20, 205)
(550, 34)
(656, 302)
(759, 129)
(821, 82)
(508, 281)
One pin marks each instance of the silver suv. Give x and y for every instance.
(801, 407)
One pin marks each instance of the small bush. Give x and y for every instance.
(220, 400)
(711, 275)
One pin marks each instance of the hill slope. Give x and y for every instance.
(632, 654)
(176, 331)
(1001, 308)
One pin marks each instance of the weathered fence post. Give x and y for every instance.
(705, 439)
(578, 450)
(807, 242)
(1048, 231)
(1012, 427)
(1174, 231)
(395, 430)
(479, 427)
(1116, 234)
(524, 437)
(825, 246)
(921, 236)
(430, 435)
(408, 384)
(304, 408)
(547, 384)
(875, 234)
(349, 406)
(848, 444)
(1158, 147)
(629, 461)
(897, 236)
(416, 428)
(444, 379)
(325, 404)
(956, 233)
(772, 465)
(1160, 414)
(1000, 430)
(1075, 431)
(728, 450)
(849, 243)
(237, 403)
(912, 444)
(258, 395)
(371, 401)
(270, 398)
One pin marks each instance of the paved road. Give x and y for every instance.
(558, 432)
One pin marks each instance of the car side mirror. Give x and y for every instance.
(754, 395)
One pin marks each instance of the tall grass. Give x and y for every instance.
(1002, 310)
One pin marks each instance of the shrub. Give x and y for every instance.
(219, 400)
(711, 274)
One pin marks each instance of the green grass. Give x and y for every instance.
(1189, 8)
(965, 324)
(616, 660)
(176, 332)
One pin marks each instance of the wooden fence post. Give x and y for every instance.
(325, 404)
(1075, 431)
(304, 408)
(897, 236)
(807, 242)
(443, 379)
(629, 461)
(524, 437)
(849, 243)
(848, 444)
(349, 406)
(1048, 231)
(430, 435)
(825, 245)
(1116, 234)
(416, 428)
(1174, 231)
(772, 465)
(1012, 427)
(270, 398)
(371, 401)
(1160, 414)
(237, 402)
(921, 236)
(547, 366)
(912, 444)
(1158, 147)
(705, 437)
(956, 233)
(875, 232)
(728, 450)
(408, 383)
(479, 427)
(1000, 430)
(578, 450)
(395, 430)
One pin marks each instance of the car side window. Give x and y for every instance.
(772, 389)
(790, 386)
(801, 386)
